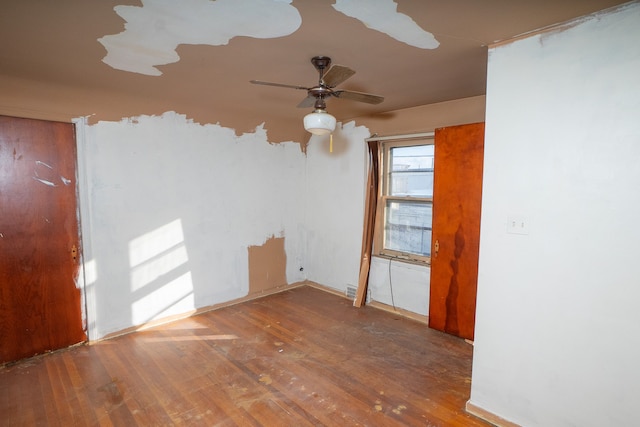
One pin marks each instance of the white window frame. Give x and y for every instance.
(383, 197)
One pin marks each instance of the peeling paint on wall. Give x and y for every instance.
(197, 196)
(267, 265)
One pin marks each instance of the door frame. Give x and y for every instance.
(88, 272)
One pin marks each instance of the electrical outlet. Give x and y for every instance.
(517, 224)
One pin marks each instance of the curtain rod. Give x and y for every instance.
(408, 136)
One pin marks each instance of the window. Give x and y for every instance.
(405, 203)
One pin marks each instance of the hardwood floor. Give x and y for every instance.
(303, 357)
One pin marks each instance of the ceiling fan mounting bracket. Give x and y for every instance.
(321, 62)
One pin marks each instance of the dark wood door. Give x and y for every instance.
(457, 199)
(39, 241)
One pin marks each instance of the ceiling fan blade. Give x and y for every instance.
(258, 82)
(309, 101)
(336, 75)
(358, 96)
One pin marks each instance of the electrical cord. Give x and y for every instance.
(393, 303)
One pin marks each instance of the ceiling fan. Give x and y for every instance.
(320, 122)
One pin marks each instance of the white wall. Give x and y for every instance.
(557, 323)
(409, 282)
(400, 284)
(334, 211)
(334, 219)
(335, 203)
(169, 209)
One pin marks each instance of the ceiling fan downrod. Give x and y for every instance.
(321, 63)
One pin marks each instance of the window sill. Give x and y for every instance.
(404, 258)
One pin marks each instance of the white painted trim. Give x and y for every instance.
(84, 213)
(198, 311)
(559, 27)
(401, 137)
(488, 416)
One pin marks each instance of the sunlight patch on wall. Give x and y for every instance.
(173, 297)
(383, 16)
(149, 245)
(155, 268)
(89, 270)
(154, 31)
(156, 253)
(159, 276)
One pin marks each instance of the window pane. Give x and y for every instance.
(408, 227)
(411, 171)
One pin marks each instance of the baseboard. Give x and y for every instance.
(327, 289)
(488, 416)
(169, 319)
(400, 311)
(380, 306)
(200, 310)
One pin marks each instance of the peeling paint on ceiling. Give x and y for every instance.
(383, 16)
(205, 52)
(154, 31)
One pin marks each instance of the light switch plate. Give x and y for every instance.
(517, 224)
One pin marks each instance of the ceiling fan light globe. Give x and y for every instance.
(319, 123)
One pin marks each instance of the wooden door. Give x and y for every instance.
(457, 198)
(39, 241)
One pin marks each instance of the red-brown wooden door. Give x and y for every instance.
(457, 199)
(40, 301)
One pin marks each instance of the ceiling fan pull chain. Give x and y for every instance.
(331, 143)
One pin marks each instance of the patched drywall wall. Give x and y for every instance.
(170, 210)
(557, 320)
(267, 265)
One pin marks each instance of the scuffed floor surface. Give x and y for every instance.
(303, 357)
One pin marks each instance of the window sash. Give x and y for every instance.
(407, 227)
(411, 203)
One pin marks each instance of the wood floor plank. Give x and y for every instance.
(82, 402)
(129, 379)
(59, 395)
(194, 374)
(303, 357)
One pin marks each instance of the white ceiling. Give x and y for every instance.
(204, 53)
